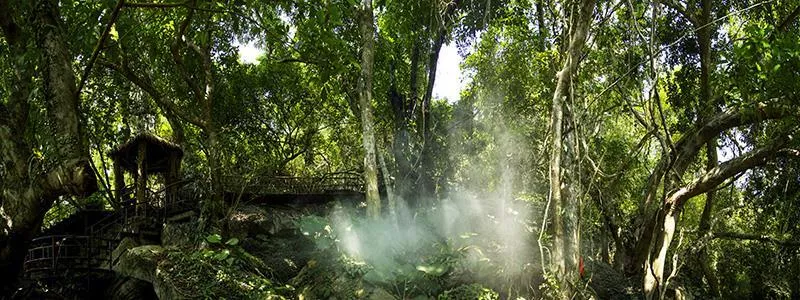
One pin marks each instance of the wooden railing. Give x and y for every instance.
(156, 208)
(287, 185)
(53, 255)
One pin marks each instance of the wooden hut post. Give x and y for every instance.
(141, 178)
(119, 182)
(171, 177)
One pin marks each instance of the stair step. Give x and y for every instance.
(181, 216)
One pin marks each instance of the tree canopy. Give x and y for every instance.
(655, 140)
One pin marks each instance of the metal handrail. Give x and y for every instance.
(296, 185)
(56, 252)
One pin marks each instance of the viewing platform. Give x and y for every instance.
(85, 242)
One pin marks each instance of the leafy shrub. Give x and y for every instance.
(222, 270)
(470, 291)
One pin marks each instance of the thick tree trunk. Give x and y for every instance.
(426, 185)
(365, 100)
(558, 259)
(654, 281)
(400, 144)
(685, 151)
(212, 212)
(387, 183)
(654, 277)
(25, 196)
(654, 268)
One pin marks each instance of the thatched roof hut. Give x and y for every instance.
(157, 158)
(144, 155)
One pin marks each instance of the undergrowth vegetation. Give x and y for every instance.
(219, 271)
(411, 258)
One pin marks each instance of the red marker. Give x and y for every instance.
(580, 266)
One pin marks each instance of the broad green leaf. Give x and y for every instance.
(214, 238)
(222, 255)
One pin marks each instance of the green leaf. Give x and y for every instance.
(214, 238)
(432, 270)
(222, 255)
(467, 235)
(113, 33)
(232, 242)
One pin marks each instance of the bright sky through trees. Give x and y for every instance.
(449, 79)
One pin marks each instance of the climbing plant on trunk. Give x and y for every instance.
(566, 237)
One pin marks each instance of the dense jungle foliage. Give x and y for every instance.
(598, 149)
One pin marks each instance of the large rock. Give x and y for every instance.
(329, 279)
(178, 234)
(609, 283)
(143, 263)
(128, 288)
(140, 262)
(250, 220)
(271, 234)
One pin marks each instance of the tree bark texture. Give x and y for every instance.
(562, 252)
(668, 216)
(28, 193)
(365, 101)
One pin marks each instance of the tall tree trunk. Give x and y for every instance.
(705, 224)
(542, 26)
(400, 142)
(212, 212)
(26, 197)
(387, 183)
(704, 31)
(654, 278)
(426, 185)
(673, 204)
(579, 29)
(365, 101)
(558, 260)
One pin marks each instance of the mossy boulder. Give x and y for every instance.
(339, 278)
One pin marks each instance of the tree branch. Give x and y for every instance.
(755, 237)
(680, 9)
(178, 59)
(147, 86)
(788, 21)
(100, 42)
(295, 60)
(157, 5)
(689, 145)
(719, 174)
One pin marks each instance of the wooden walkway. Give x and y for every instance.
(287, 185)
(55, 255)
